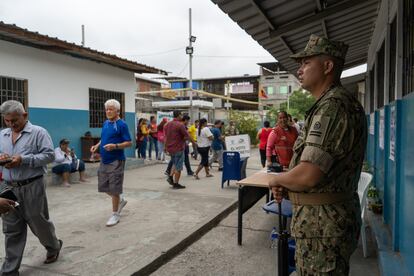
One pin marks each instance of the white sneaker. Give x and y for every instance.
(122, 204)
(113, 220)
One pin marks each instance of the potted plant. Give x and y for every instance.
(374, 202)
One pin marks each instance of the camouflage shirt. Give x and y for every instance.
(333, 138)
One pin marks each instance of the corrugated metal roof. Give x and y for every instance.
(15, 34)
(283, 27)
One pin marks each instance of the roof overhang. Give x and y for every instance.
(283, 27)
(21, 36)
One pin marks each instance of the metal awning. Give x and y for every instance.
(283, 27)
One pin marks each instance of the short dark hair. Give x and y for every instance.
(152, 117)
(186, 118)
(64, 141)
(176, 113)
(217, 122)
(284, 113)
(266, 124)
(196, 121)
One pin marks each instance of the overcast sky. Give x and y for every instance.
(152, 32)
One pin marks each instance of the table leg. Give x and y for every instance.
(240, 217)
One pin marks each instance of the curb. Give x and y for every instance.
(176, 249)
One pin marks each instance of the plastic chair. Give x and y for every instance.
(234, 167)
(363, 183)
(272, 207)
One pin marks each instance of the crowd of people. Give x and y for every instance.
(175, 138)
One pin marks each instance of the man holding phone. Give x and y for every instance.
(114, 139)
(26, 149)
(6, 205)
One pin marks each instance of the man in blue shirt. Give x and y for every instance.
(114, 139)
(217, 145)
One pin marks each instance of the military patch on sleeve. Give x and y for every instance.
(318, 129)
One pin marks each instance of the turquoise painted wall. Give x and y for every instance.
(395, 178)
(72, 124)
(406, 194)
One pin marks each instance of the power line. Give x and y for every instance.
(182, 70)
(207, 56)
(156, 53)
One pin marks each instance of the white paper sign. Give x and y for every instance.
(161, 115)
(381, 129)
(392, 132)
(372, 123)
(239, 143)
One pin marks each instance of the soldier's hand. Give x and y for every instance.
(16, 161)
(278, 193)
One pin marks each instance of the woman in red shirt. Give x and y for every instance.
(281, 140)
(262, 136)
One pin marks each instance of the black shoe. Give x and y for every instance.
(220, 169)
(167, 173)
(53, 258)
(170, 180)
(178, 186)
(190, 173)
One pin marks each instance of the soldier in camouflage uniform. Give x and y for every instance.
(325, 168)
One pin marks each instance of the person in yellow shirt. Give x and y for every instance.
(142, 137)
(192, 131)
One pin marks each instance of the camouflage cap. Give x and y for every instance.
(322, 46)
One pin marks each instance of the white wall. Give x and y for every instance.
(60, 81)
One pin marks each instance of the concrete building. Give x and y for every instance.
(276, 84)
(64, 86)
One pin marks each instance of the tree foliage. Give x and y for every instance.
(300, 101)
(246, 123)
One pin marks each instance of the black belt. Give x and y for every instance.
(23, 182)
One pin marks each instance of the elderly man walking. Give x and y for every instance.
(28, 149)
(327, 159)
(114, 139)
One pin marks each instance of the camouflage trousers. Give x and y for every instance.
(324, 256)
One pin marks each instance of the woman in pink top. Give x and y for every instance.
(161, 139)
(262, 136)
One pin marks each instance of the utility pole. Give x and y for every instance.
(189, 50)
(228, 103)
(83, 35)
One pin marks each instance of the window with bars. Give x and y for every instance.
(12, 89)
(97, 99)
(408, 47)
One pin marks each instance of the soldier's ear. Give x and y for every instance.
(329, 66)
